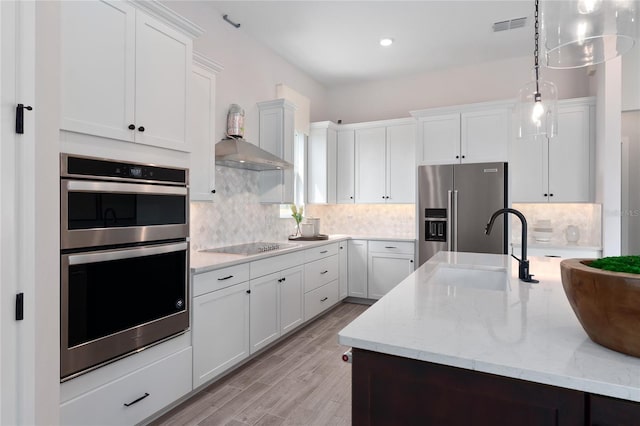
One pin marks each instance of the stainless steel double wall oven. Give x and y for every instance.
(124, 259)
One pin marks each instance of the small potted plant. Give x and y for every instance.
(605, 296)
(296, 213)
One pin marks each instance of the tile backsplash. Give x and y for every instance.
(587, 217)
(236, 216)
(375, 220)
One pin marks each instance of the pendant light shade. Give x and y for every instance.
(579, 33)
(536, 109)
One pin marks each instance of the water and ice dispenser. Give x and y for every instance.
(435, 221)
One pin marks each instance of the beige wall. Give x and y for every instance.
(489, 81)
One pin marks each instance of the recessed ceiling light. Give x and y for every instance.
(386, 42)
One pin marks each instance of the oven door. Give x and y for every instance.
(114, 302)
(95, 213)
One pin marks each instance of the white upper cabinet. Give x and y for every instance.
(370, 180)
(124, 74)
(559, 169)
(385, 163)
(321, 163)
(475, 133)
(201, 129)
(401, 170)
(345, 164)
(277, 136)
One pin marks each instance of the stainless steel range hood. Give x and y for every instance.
(238, 153)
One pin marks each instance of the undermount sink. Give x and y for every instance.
(472, 277)
(250, 248)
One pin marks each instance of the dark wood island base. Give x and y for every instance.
(391, 390)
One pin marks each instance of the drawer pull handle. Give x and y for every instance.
(146, 394)
(324, 251)
(390, 247)
(322, 300)
(551, 255)
(225, 278)
(323, 272)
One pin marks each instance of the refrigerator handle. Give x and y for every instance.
(449, 220)
(455, 221)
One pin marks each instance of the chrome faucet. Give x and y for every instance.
(523, 269)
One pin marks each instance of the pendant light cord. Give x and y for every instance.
(535, 50)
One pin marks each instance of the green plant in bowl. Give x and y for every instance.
(628, 264)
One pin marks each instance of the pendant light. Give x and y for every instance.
(579, 33)
(536, 109)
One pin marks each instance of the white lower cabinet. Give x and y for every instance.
(389, 262)
(343, 265)
(134, 397)
(357, 269)
(220, 331)
(320, 299)
(276, 306)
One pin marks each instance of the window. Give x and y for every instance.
(299, 154)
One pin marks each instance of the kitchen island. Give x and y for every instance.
(463, 341)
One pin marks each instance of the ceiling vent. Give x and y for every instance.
(509, 24)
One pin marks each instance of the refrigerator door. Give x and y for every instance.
(435, 183)
(479, 190)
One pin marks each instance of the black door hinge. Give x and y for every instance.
(19, 306)
(20, 117)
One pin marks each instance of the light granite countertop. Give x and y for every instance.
(469, 310)
(201, 261)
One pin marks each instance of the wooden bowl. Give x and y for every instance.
(606, 303)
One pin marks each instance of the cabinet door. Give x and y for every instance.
(163, 74)
(401, 164)
(97, 68)
(343, 264)
(291, 299)
(357, 270)
(277, 136)
(220, 331)
(386, 270)
(370, 165)
(321, 166)
(345, 165)
(265, 311)
(528, 170)
(569, 157)
(485, 136)
(440, 139)
(201, 134)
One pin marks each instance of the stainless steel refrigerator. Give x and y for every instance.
(455, 203)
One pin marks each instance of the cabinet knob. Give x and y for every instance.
(284, 278)
(132, 126)
(544, 195)
(550, 195)
(351, 197)
(463, 156)
(383, 197)
(248, 291)
(141, 129)
(213, 191)
(457, 156)
(411, 260)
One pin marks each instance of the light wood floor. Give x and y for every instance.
(300, 381)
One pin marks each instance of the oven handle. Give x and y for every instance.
(127, 188)
(128, 253)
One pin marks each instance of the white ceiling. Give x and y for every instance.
(337, 42)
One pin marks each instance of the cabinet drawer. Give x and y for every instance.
(273, 264)
(392, 247)
(320, 299)
(220, 278)
(564, 253)
(319, 252)
(320, 272)
(163, 382)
